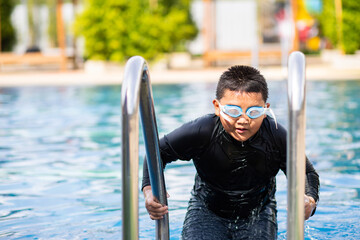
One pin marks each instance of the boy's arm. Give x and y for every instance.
(183, 143)
(154, 208)
(312, 185)
(312, 182)
(146, 178)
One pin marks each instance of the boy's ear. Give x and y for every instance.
(217, 107)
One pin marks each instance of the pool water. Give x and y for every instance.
(60, 169)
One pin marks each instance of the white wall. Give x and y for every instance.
(19, 19)
(236, 25)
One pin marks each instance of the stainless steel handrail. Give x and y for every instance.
(136, 91)
(296, 146)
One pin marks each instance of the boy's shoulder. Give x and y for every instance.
(195, 132)
(201, 125)
(208, 118)
(205, 123)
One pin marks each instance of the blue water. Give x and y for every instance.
(60, 169)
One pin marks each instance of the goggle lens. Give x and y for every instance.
(255, 112)
(233, 111)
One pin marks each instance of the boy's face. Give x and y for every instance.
(242, 127)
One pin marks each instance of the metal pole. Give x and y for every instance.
(130, 155)
(155, 168)
(136, 91)
(296, 146)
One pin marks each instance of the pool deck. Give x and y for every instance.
(113, 76)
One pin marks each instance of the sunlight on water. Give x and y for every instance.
(60, 170)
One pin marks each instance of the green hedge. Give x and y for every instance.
(8, 38)
(118, 29)
(350, 24)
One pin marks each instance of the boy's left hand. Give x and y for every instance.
(309, 206)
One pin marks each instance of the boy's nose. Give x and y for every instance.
(243, 119)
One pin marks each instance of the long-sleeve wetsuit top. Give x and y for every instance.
(233, 178)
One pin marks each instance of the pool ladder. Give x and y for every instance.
(296, 146)
(136, 91)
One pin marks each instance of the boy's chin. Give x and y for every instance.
(240, 138)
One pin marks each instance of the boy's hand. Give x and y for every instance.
(309, 206)
(155, 209)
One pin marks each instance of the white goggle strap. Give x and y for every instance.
(225, 116)
(272, 115)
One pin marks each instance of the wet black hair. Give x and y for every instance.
(243, 79)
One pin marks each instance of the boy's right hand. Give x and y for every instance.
(155, 209)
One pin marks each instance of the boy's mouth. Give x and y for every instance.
(241, 130)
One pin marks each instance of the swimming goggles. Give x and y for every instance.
(252, 112)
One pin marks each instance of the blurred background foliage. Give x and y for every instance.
(348, 39)
(351, 26)
(8, 37)
(118, 29)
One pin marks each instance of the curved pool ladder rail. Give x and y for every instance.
(296, 146)
(136, 91)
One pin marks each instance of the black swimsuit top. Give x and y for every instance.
(232, 177)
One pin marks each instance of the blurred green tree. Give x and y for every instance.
(118, 29)
(348, 39)
(351, 25)
(8, 37)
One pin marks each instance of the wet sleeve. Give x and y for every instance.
(312, 183)
(184, 143)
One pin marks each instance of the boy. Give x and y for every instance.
(237, 153)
